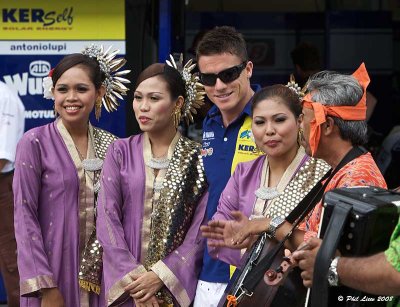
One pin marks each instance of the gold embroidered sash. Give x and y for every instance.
(183, 186)
(305, 179)
(91, 263)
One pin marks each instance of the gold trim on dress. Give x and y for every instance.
(86, 194)
(91, 262)
(171, 282)
(183, 186)
(90, 265)
(262, 206)
(305, 179)
(117, 295)
(148, 198)
(151, 196)
(31, 286)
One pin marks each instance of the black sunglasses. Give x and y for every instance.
(228, 75)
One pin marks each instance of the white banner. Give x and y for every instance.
(54, 47)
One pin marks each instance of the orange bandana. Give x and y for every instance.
(357, 112)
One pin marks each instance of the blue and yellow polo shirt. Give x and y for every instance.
(223, 148)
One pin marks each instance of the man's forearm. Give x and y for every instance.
(373, 274)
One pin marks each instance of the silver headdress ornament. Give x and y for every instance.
(113, 81)
(194, 89)
(296, 88)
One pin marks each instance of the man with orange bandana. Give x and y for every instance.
(328, 107)
(334, 122)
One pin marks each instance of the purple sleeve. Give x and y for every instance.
(229, 201)
(119, 265)
(179, 270)
(33, 265)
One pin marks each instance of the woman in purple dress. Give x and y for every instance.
(56, 183)
(272, 185)
(153, 197)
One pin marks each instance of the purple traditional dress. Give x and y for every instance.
(247, 191)
(54, 211)
(147, 222)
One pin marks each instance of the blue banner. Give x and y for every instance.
(24, 74)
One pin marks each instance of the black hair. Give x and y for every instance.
(69, 61)
(170, 75)
(283, 93)
(222, 40)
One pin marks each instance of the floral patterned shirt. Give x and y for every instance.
(362, 171)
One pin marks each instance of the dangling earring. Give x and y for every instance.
(257, 149)
(176, 115)
(55, 111)
(97, 107)
(300, 137)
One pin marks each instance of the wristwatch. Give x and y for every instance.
(333, 277)
(274, 225)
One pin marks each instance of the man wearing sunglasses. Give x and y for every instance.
(225, 71)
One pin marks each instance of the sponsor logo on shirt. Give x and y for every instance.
(245, 134)
(207, 152)
(247, 148)
(209, 135)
